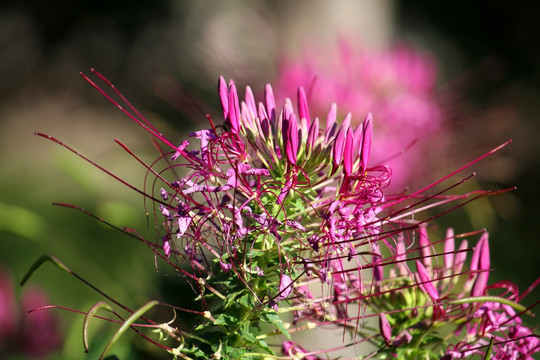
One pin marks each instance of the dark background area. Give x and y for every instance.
(501, 35)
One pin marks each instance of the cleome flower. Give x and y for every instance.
(272, 190)
(281, 226)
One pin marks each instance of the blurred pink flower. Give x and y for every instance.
(396, 85)
(33, 334)
(39, 330)
(8, 315)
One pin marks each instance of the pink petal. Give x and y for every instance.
(449, 246)
(348, 153)
(346, 124)
(8, 305)
(378, 272)
(246, 116)
(234, 108)
(385, 329)
(483, 243)
(331, 124)
(263, 119)
(357, 134)
(225, 267)
(303, 109)
(270, 103)
(292, 140)
(166, 247)
(285, 287)
(183, 225)
(425, 246)
(288, 109)
(339, 143)
(483, 263)
(401, 256)
(223, 96)
(367, 135)
(313, 134)
(460, 257)
(480, 256)
(250, 101)
(427, 284)
(480, 284)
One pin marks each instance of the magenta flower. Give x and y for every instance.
(32, 334)
(39, 330)
(296, 352)
(259, 206)
(280, 224)
(8, 308)
(396, 85)
(460, 302)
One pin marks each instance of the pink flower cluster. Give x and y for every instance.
(397, 86)
(274, 213)
(270, 155)
(456, 298)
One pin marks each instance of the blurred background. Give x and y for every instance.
(166, 56)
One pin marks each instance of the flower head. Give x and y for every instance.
(280, 224)
(274, 198)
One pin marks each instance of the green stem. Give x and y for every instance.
(264, 356)
(496, 299)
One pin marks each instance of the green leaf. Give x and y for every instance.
(246, 300)
(232, 352)
(22, 222)
(275, 320)
(40, 262)
(195, 352)
(247, 335)
(226, 320)
(89, 315)
(127, 323)
(265, 346)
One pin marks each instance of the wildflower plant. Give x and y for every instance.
(280, 225)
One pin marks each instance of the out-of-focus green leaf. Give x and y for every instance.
(22, 222)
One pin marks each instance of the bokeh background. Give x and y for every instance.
(166, 56)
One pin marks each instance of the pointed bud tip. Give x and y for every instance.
(427, 282)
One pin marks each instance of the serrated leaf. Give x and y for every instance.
(246, 300)
(226, 320)
(265, 346)
(232, 352)
(195, 352)
(247, 335)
